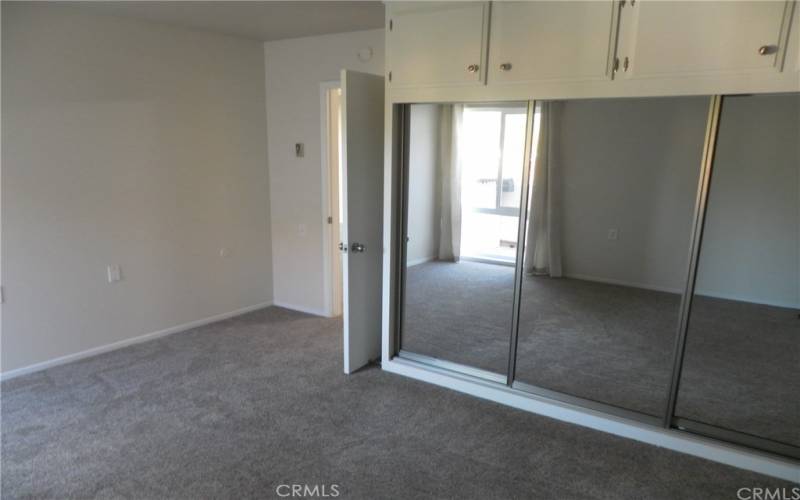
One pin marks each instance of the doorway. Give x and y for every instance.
(330, 102)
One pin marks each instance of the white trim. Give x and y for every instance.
(389, 217)
(489, 260)
(302, 309)
(127, 342)
(631, 284)
(344, 233)
(698, 291)
(327, 287)
(741, 298)
(675, 440)
(421, 260)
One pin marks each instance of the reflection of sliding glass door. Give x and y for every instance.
(464, 178)
(492, 149)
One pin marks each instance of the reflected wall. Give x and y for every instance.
(741, 369)
(613, 189)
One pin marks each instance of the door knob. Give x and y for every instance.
(357, 247)
(473, 68)
(766, 50)
(342, 247)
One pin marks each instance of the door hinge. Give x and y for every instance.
(390, 76)
(330, 220)
(391, 24)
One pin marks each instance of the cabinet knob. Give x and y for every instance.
(505, 67)
(473, 68)
(766, 50)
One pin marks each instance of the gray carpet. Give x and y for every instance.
(234, 409)
(614, 344)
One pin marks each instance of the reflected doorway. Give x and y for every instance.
(331, 112)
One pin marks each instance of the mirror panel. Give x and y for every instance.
(741, 367)
(614, 183)
(464, 182)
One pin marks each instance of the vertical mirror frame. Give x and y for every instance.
(669, 419)
(524, 208)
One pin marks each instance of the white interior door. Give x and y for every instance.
(362, 229)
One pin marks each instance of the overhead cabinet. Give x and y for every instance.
(593, 46)
(536, 42)
(695, 38)
(437, 43)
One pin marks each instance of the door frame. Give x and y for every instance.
(329, 249)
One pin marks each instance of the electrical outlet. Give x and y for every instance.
(613, 234)
(114, 272)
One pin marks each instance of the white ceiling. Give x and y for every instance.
(258, 20)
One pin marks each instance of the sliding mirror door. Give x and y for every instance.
(613, 189)
(741, 367)
(464, 181)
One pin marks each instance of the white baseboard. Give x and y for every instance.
(421, 260)
(124, 343)
(631, 284)
(698, 291)
(488, 260)
(744, 298)
(303, 309)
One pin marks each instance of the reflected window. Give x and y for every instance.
(464, 171)
(492, 147)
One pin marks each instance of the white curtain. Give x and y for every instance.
(543, 240)
(450, 174)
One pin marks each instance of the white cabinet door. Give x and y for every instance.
(437, 43)
(552, 41)
(661, 39)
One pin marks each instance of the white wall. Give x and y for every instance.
(130, 143)
(423, 184)
(633, 165)
(630, 165)
(294, 70)
(751, 245)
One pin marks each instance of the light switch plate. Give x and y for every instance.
(114, 272)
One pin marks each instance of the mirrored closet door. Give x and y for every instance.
(464, 182)
(741, 369)
(613, 188)
(653, 271)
